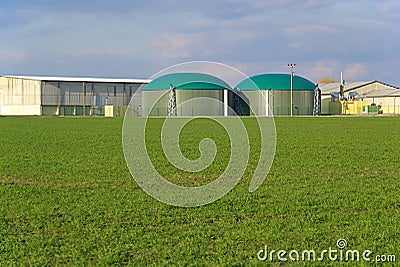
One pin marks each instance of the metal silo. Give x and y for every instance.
(187, 86)
(275, 89)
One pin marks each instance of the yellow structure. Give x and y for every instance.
(353, 107)
(347, 107)
(114, 111)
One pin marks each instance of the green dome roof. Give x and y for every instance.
(187, 81)
(275, 82)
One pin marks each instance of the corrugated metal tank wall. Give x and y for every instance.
(303, 102)
(277, 89)
(201, 108)
(160, 98)
(257, 102)
(279, 101)
(157, 98)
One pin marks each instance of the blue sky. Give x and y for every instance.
(136, 39)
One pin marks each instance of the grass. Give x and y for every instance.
(67, 197)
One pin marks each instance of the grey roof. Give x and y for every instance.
(328, 88)
(384, 93)
(79, 79)
(397, 93)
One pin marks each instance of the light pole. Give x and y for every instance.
(291, 67)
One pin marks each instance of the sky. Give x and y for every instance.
(136, 39)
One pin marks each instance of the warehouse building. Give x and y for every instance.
(362, 94)
(34, 95)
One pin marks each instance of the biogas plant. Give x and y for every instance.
(260, 95)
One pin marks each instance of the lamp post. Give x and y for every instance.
(291, 67)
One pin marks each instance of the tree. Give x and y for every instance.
(327, 80)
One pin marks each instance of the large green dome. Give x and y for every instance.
(187, 81)
(275, 82)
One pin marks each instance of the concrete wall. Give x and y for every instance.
(21, 110)
(20, 96)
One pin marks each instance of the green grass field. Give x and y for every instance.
(67, 198)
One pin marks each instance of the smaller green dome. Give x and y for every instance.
(187, 81)
(275, 82)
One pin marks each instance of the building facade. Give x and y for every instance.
(377, 93)
(32, 95)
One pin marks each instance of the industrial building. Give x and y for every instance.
(262, 95)
(357, 95)
(34, 95)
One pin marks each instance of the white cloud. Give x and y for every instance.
(356, 71)
(295, 45)
(92, 52)
(318, 3)
(390, 7)
(323, 69)
(7, 55)
(331, 69)
(179, 45)
(307, 29)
